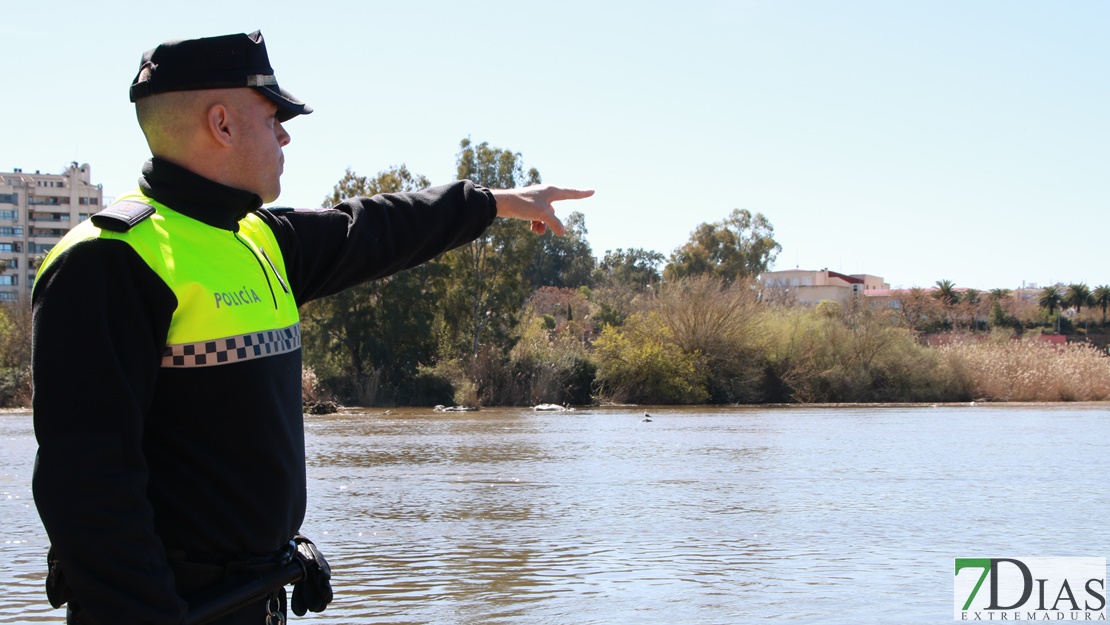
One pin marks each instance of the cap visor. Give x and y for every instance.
(288, 106)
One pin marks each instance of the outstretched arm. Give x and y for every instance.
(534, 204)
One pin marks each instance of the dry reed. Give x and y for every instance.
(1030, 370)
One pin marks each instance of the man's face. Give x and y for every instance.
(258, 144)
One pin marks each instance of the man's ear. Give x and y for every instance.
(220, 124)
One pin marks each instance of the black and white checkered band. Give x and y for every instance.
(233, 348)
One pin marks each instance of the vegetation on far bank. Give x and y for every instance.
(519, 319)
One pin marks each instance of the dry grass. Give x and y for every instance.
(1031, 371)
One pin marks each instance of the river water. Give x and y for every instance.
(704, 515)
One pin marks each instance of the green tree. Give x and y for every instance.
(997, 295)
(948, 297)
(487, 287)
(634, 267)
(1051, 299)
(563, 261)
(367, 341)
(1077, 296)
(738, 247)
(393, 180)
(946, 293)
(1101, 297)
(972, 304)
(15, 353)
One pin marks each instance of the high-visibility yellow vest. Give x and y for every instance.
(234, 302)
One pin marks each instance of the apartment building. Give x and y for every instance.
(803, 286)
(35, 211)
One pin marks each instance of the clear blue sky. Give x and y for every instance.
(919, 141)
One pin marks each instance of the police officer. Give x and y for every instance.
(167, 359)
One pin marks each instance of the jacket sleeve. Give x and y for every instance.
(101, 317)
(328, 250)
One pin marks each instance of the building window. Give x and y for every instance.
(36, 248)
(8, 296)
(11, 263)
(49, 217)
(48, 232)
(9, 280)
(9, 198)
(8, 215)
(11, 231)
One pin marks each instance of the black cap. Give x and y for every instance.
(225, 62)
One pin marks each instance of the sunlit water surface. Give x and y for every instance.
(701, 516)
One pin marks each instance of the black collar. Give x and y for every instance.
(195, 196)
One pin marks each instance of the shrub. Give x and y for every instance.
(551, 364)
(854, 354)
(722, 326)
(640, 363)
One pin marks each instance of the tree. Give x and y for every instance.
(1077, 296)
(393, 180)
(371, 338)
(918, 310)
(15, 353)
(738, 247)
(1000, 302)
(972, 305)
(946, 293)
(563, 261)
(1101, 297)
(487, 288)
(635, 267)
(997, 295)
(1051, 299)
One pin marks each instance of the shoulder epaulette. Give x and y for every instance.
(122, 216)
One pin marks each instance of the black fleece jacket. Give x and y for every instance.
(135, 459)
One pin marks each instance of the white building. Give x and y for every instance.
(35, 211)
(802, 286)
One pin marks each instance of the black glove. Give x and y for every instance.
(314, 591)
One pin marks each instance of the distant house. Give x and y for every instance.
(802, 286)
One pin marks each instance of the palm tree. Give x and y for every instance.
(997, 295)
(1077, 296)
(1101, 297)
(1051, 299)
(946, 292)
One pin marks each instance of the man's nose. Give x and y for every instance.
(282, 136)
